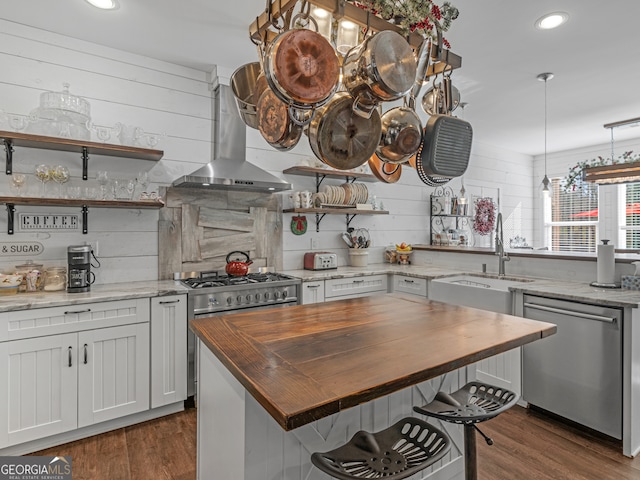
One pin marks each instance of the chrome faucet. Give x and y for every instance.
(502, 256)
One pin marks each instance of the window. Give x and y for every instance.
(571, 220)
(631, 223)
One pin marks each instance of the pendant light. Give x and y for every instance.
(546, 183)
(626, 172)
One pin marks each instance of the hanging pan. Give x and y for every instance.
(384, 171)
(401, 126)
(274, 122)
(445, 150)
(302, 68)
(382, 68)
(339, 137)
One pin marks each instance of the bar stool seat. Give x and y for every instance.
(399, 451)
(474, 403)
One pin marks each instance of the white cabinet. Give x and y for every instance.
(412, 285)
(341, 288)
(168, 350)
(113, 372)
(313, 292)
(68, 367)
(39, 378)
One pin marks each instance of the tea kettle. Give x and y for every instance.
(237, 268)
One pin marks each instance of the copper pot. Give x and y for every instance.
(339, 137)
(383, 171)
(302, 68)
(275, 124)
(382, 68)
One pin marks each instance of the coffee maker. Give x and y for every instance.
(80, 276)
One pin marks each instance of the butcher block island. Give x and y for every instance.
(276, 385)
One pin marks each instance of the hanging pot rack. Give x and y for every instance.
(260, 29)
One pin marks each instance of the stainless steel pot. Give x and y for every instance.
(339, 137)
(441, 98)
(243, 84)
(382, 68)
(401, 135)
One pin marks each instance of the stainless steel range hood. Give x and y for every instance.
(229, 168)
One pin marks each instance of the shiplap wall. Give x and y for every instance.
(176, 101)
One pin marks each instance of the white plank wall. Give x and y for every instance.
(175, 101)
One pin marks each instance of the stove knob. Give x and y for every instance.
(276, 295)
(248, 298)
(239, 299)
(229, 300)
(258, 297)
(267, 295)
(213, 301)
(284, 294)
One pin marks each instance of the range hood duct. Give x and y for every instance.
(229, 169)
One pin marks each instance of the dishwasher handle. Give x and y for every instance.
(573, 313)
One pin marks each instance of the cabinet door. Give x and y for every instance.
(113, 372)
(168, 350)
(412, 285)
(39, 388)
(313, 292)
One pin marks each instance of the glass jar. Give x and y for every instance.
(55, 279)
(32, 276)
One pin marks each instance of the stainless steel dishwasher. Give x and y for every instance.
(576, 373)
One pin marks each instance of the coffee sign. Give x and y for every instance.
(8, 249)
(47, 221)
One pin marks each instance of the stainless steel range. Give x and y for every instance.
(213, 294)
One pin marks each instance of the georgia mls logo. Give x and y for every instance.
(35, 468)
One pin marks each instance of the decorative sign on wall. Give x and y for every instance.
(47, 221)
(8, 249)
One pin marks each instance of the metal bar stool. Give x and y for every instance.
(473, 403)
(399, 451)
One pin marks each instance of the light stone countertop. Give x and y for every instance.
(561, 289)
(98, 293)
(576, 291)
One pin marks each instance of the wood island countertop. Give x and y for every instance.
(306, 362)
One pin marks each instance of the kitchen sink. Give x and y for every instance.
(485, 292)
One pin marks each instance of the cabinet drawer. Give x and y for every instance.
(72, 318)
(412, 285)
(313, 292)
(355, 286)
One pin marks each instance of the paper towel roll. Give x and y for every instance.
(606, 264)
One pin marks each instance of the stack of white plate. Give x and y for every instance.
(347, 194)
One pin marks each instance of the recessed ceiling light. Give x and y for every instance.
(104, 4)
(551, 20)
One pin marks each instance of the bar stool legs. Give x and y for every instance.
(475, 402)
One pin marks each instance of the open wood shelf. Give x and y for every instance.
(72, 145)
(343, 211)
(323, 172)
(84, 205)
(79, 202)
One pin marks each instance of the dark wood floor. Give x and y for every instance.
(528, 445)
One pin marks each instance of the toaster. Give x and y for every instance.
(320, 261)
